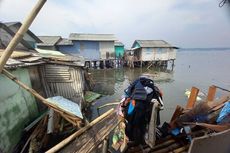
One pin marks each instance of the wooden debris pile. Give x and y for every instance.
(65, 137)
(196, 124)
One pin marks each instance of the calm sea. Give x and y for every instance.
(196, 67)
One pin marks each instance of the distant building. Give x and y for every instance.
(91, 46)
(153, 50)
(119, 49)
(7, 32)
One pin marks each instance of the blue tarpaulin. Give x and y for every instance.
(224, 116)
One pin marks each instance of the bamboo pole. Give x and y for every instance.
(79, 132)
(19, 35)
(33, 92)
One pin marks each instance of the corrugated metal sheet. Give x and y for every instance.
(118, 43)
(63, 81)
(153, 44)
(64, 42)
(48, 40)
(14, 26)
(92, 37)
(49, 52)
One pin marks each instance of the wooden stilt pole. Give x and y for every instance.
(19, 35)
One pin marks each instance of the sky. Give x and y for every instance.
(186, 24)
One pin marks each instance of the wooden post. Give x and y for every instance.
(79, 132)
(105, 145)
(19, 35)
(211, 93)
(192, 98)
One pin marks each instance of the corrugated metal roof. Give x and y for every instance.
(92, 37)
(11, 33)
(118, 43)
(17, 54)
(15, 63)
(17, 25)
(65, 42)
(154, 43)
(49, 52)
(49, 40)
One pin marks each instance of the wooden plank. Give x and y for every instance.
(178, 111)
(79, 132)
(88, 141)
(211, 93)
(192, 98)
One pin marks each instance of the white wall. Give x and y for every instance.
(156, 54)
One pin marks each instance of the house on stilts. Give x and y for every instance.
(149, 52)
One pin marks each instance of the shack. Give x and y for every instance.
(148, 51)
(49, 75)
(95, 48)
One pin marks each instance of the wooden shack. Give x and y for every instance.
(153, 51)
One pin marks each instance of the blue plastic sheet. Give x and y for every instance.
(224, 116)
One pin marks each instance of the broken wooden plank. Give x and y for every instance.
(217, 128)
(89, 140)
(79, 132)
(211, 93)
(192, 98)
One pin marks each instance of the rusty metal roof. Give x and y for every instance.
(92, 37)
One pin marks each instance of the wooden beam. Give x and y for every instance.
(178, 111)
(79, 132)
(192, 98)
(19, 35)
(211, 93)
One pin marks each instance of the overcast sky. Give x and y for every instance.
(194, 23)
